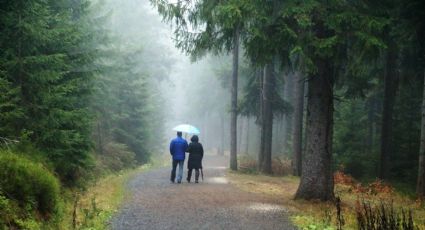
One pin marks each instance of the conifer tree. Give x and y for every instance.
(41, 59)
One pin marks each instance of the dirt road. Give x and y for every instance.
(155, 203)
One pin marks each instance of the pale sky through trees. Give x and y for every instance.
(136, 21)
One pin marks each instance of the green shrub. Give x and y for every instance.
(116, 157)
(11, 217)
(6, 212)
(32, 186)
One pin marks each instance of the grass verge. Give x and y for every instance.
(99, 202)
(322, 215)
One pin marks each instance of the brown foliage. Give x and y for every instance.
(344, 179)
(377, 187)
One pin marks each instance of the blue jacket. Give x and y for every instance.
(178, 148)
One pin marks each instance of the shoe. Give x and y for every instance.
(171, 181)
(179, 182)
(188, 181)
(196, 181)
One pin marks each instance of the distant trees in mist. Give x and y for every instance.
(356, 59)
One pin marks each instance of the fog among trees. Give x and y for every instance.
(89, 88)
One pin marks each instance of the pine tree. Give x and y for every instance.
(326, 32)
(221, 25)
(297, 127)
(40, 63)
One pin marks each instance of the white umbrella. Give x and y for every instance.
(186, 128)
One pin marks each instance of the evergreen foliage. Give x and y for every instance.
(365, 51)
(122, 105)
(35, 189)
(67, 85)
(80, 96)
(49, 96)
(250, 102)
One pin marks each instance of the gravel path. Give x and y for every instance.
(155, 203)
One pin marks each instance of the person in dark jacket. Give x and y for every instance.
(178, 147)
(196, 153)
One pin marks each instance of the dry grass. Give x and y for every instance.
(322, 215)
(97, 205)
(280, 166)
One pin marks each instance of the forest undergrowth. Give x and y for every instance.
(373, 205)
(31, 196)
(99, 202)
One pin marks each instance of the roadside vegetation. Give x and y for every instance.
(75, 109)
(360, 203)
(90, 89)
(31, 196)
(95, 207)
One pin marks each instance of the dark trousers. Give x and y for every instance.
(173, 171)
(189, 174)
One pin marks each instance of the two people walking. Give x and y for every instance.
(178, 148)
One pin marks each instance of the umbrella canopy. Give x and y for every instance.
(187, 129)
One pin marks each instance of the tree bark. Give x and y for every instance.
(234, 101)
(247, 136)
(390, 89)
(260, 121)
(221, 148)
(297, 119)
(370, 123)
(267, 121)
(240, 134)
(287, 121)
(420, 186)
(304, 142)
(317, 178)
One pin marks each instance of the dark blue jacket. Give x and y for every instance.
(178, 148)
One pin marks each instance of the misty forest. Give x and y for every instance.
(310, 114)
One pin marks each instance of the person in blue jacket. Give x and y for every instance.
(178, 148)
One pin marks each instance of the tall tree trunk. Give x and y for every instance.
(267, 121)
(297, 127)
(277, 136)
(287, 96)
(420, 186)
(261, 148)
(221, 148)
(240, 134)
(316, 177)
(304, 142)
(260, 120)
(247, 136)
(370, 121)
(390, 89)
(234, 101)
